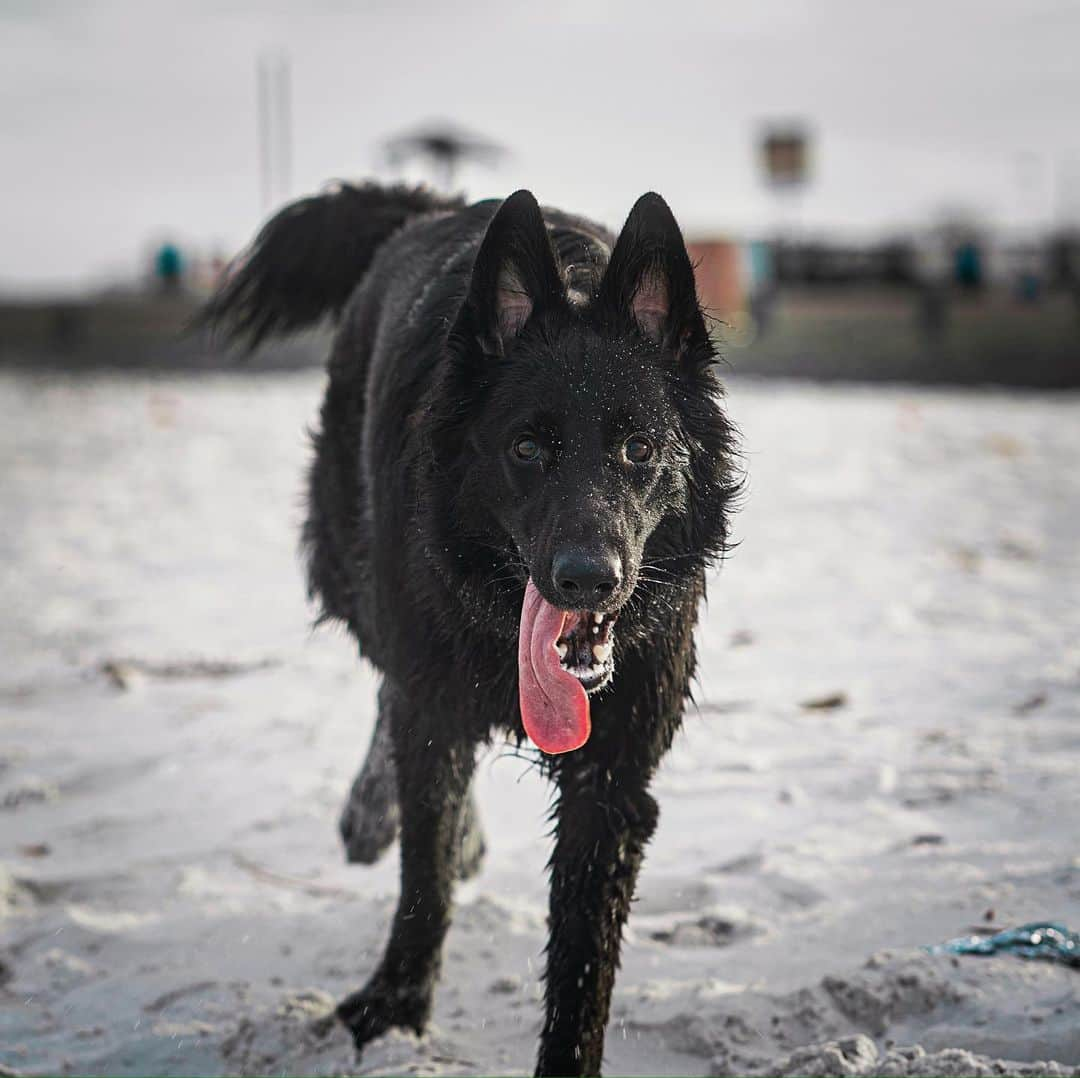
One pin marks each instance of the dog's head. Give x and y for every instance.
(582, 439)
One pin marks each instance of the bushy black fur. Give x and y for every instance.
(308, 259)
(473, 326)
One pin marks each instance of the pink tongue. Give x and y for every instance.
(554, 707)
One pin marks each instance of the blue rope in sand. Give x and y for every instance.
(1041, 939)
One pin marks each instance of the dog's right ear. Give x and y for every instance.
(515, 274)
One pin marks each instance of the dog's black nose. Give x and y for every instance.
(582, 578)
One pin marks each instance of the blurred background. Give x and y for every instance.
(883, 201)
(870, 192)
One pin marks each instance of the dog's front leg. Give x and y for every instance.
(433, 762)
(371, 818)
(605, 818)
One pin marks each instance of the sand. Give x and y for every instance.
(175, 745)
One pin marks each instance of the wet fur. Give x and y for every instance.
(420, 536)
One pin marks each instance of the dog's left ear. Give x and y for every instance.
(650, 279)
(515, 274)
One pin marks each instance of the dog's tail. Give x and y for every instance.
(308, 258)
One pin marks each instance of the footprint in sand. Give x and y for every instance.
(709, 930)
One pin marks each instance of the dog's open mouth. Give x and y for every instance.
(562, 656)
(584, 648)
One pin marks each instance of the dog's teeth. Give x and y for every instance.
(601, 652)
(596, 630)
(598, 618)
(561, 649)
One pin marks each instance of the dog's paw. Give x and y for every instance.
(373, 1010)
(370, 820)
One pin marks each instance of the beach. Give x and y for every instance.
(882, 754)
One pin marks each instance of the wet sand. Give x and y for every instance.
(175, 744)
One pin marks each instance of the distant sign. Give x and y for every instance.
(785, 156)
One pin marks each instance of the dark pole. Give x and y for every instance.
(284, 111)
(264, 131)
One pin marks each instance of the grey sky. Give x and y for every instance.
(126, 120)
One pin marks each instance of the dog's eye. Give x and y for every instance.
(637, 449)
(526, 448)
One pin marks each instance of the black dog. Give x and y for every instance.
(522, 472)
